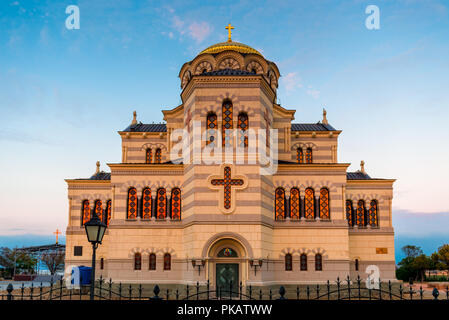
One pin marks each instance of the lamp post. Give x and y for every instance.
(199, 265)
(254, 264)
(95, 230)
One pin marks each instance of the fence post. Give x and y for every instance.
(110, 288)
(250, 292)
(101, 286)
(297, 292)
(308, 292)
(167, 296)
(230, 290)
(271, 294)
(61, 283)
(22, 289)
(197, 290)
(156, 291)
(400, 291)
(187, 289)
(348, 280)
(317, 291)
(260, 294)
(358, 286)
(177, 294)
(389, 289)
(140, 291)
(207, 288)
(338, 288)
(411, 291)
(282, 293)
(9, 289)
(240, 290)
(31, 291)
(435, 293)
(51, 289)
(420, 292)
(328, 290)
(130, 292)
(120, 291)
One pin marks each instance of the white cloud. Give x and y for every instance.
(313, 92)
(199, 31)
(291, 81)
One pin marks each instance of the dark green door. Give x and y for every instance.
(228, 275)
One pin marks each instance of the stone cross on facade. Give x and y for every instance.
(227, 185)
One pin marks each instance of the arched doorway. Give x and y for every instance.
(227, 267)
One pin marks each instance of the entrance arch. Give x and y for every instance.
(227, 260)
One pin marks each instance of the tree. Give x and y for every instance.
(54, 260)
(412, 251)
(15, 261)
(441, 257)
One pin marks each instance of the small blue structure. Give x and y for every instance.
(80, 275)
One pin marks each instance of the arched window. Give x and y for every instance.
(361, 213)
(294, 204)
(107, 217)
(226, 122)
(350, 213)
(309, 155)
(303, 262)
(146, 203)
(152, 262)
(132, 203)
(318, 262)
(288, 262)
(161, 203)
(167, 261)
(176, 204)
(324, 204)
(356, 264)
(243, 125)
(280, 204)
(227, 253)
(98, 207)
(373, 214)
(211, 129)
(149, 156)
(158, 156)
(299, 155)
(86, 211)
(137, 261)
(309, 202)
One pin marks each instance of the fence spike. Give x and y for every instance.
(282, 293)
(297, 292)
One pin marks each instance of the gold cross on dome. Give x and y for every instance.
(229, 27)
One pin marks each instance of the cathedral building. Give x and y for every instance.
(175, 218)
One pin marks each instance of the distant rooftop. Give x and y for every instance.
(358, 175)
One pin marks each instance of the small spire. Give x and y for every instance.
(362, 166)
(98, 168)
(134, 118)
(324, 117)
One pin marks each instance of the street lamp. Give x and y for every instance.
(95, 230)
(254, 264)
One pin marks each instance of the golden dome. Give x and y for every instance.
(230, 45)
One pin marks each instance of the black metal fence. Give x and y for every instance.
(337, 290)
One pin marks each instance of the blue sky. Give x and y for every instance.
(64, 94)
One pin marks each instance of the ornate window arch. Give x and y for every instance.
(146, 203)
(211, 127)
(324, 204)
(132, 204)
(288, 262)
(309, 158)
(309, 203)
(137, 261)
(227, 122)
(152, 261)
(161, 211)
(176, 204)
(373, 216)
(295, 204)
(350, 212)
(299, 155)
(243, 125)
(318, 262)
(158, 156)
(85, 212)
(279, 204)
(107, 216)
(148, 156)
(98, 209)
(167, 261)
(360, 219)
(303, 262)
